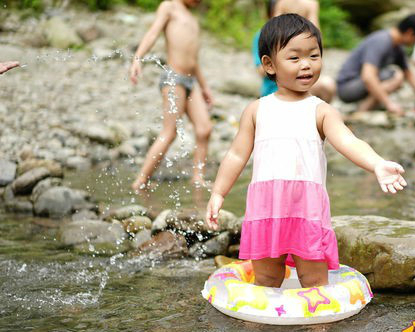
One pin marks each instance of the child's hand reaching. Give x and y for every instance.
(213, 208)
(135, 71)
(389, 176)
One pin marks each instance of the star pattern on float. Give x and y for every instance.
(280, 310)
(314, 298)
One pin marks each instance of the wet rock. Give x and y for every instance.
(128, 211)
(140, 144)
(7, 172)
(57, 202)
(55, 169)
(136, 223)
(227, 221)
(160, 222)
(92, 233)
(44, 185)
(78, 163)
(233, 250)
(126, 150)
(8, 193)
(165, 245)
(59, 34)
(25, 182)
(97, 132)
(140, 238)
(380, 248)
(84, 215)
(188, 220)
(19, 205)
(215, 246)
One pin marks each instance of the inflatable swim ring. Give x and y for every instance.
(230, 289)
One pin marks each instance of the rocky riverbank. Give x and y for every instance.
(75, 109)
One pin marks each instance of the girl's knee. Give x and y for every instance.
(313, 279)
(262, 279)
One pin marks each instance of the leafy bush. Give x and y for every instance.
(147, 4)
(233, 19)
(36, 5)
(335, 27)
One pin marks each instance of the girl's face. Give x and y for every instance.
(297, 66)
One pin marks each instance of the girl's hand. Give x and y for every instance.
(135, 71)
(389, 176)
(212, 211)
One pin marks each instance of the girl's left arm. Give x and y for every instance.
(388, 173)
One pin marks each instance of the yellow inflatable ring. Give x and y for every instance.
(230, 289)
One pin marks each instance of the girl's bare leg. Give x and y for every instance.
(199, 116)
(269, 272)
(311, 273)
(165, 138)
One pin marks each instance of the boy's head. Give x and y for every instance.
(278, 31)
(407, 29)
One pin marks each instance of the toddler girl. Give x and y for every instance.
(287, 217)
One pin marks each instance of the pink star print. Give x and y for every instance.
(280, 310)
(314, 298)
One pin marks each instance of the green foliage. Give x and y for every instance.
(335, 27)
(147, 4)
(233, 19)
(36, 5)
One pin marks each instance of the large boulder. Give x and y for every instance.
(381, 248)
(191, 220)
(57, 202)
(93, 236)
(164, 245)
(7, 172)
(215, 246)
(128, 211)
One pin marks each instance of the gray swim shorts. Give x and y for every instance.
(187, 82)
(355, 90)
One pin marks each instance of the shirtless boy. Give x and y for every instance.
(181, 31)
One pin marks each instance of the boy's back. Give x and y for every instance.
(305, 8)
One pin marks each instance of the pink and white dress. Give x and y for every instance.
(287, 206)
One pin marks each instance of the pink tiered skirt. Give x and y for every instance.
(288, 217)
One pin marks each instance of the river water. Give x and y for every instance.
(48, 288)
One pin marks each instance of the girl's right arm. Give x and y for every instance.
(233, 163)
(162, 17)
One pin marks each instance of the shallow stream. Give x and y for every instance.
(47, 288)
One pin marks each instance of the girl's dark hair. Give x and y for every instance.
(270, 7)
(278, 31)
(407, 23)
